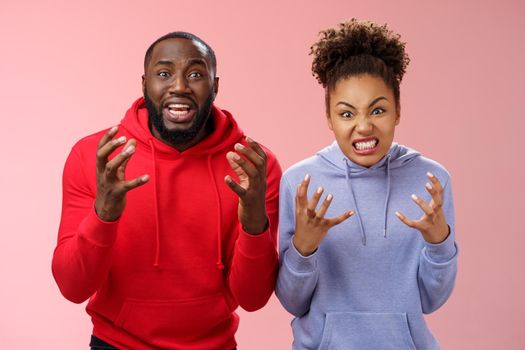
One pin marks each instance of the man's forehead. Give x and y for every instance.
(179, 49)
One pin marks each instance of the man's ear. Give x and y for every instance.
(216, 85)
(143, 84)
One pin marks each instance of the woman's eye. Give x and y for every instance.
(347, 115)
(378, 111)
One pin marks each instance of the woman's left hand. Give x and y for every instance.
(432, 225)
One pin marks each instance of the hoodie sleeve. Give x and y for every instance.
(298, 275)
(254, 265)
(438, 262)
(82, 257)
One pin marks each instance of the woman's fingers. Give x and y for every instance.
(405, 220)
(339, 219)
(424, 206)
(312, 204)
(301, 197)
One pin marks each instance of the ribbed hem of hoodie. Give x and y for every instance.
(299, 263)
(254, 246)
(98, 232)
(442, 252)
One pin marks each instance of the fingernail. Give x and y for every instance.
(429, 174)
(329, 197)
(238, 146)
(145, 178)
(307, 177)
(319, 190)
(235, 156)
(129, 150)
(428, 186)
(414, 197)
(398, 214)
(113, 129)
(121, 139)
(249, 139)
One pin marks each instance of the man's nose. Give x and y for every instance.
(179, 85)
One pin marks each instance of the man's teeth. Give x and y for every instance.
(178, 112)
(365, 145)
(178, 106)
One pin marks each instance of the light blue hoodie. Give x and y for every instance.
(372, 278)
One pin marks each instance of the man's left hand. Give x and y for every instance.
(249, 164)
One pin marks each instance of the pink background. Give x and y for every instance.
(72, 68)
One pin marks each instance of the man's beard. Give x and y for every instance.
(178, 137)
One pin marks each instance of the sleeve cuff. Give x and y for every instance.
(98, 232)
(254, 246)
(442, 252)
(298, 263)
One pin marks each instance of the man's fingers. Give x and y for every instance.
(339, 219)
(238, 189)
(258, 162)
(113, 165)
(107, 136)
(241, 166)
(324, 206)
(139, 181)
(106, 149)
(424, 206)
(406, 220)
(257, 148)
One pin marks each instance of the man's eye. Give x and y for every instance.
(195, 75)
(164, 74)
(347, 115)
(378, 111)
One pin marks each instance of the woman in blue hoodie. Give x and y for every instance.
(360, 266)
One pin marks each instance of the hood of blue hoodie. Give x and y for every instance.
(397, 157)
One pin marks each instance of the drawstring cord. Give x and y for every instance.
(219, 263)
(349, 184)
(388, 175)
(156, 206)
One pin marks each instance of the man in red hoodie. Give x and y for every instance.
(169, 219)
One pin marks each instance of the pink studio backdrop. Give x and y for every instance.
(72, 68)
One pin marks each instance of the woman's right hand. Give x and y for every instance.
(310, 225)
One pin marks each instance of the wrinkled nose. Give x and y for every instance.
(364, 125)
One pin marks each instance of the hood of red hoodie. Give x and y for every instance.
(226, 132)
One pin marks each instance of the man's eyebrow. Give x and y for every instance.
(190, 62)
(198, 61)
(164, 62)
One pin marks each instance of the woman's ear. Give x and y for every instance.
(398, 112)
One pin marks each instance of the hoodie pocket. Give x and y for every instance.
(364, 330)
(179, 320)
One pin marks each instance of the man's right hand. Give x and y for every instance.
(112, 185)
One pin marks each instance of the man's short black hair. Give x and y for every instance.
(183, 35)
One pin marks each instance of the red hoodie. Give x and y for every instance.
(169, 273)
